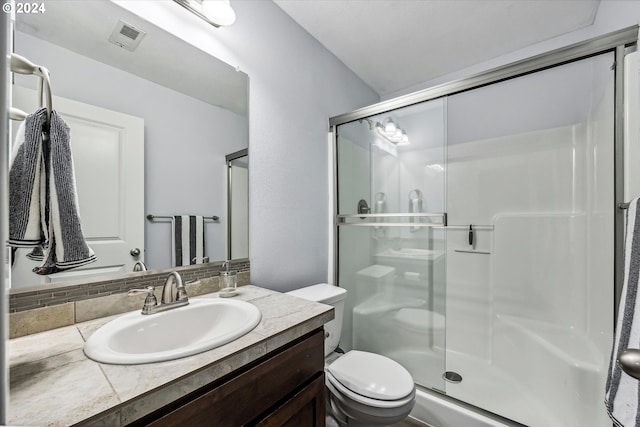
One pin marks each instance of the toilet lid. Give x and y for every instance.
(372, 375)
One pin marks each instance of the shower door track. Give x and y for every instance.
(615, 42)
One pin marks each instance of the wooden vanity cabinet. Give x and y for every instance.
(284, 388)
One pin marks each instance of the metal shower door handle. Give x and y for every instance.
(363, 207)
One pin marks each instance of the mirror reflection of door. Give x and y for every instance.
(238, 204)
(108, 157)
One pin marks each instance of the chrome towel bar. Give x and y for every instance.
(151, 217)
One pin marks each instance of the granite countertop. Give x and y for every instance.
(52, 382)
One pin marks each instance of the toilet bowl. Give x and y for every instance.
(364, 389)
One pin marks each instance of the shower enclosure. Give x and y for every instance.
(475, 233)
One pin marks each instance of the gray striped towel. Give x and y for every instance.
(26, 184)
(43, 202)
(188, 239)
(623, 391)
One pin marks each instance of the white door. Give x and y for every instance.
(108, 156)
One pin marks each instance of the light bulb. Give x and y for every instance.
(219, 12)
(390, 127)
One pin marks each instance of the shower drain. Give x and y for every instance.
(452, 377)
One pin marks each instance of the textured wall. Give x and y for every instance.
(295, 86)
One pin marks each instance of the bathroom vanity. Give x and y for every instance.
(285, 389)
(273, 375)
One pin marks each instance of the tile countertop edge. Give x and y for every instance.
(307, 318)
(133, 409)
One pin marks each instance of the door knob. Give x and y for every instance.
(135, 252)
(629, 361)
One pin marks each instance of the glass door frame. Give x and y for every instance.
(615, 42)
(229, 159)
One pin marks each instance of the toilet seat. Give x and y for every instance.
(367, 401)
(371, 379)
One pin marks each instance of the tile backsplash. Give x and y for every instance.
(55, 306)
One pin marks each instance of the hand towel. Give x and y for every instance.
(43, 200)
(25, 183)
(188, 239)
(623, 391)
(67, 247)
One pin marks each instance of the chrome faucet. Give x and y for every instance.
(139, 266)
(174, 295)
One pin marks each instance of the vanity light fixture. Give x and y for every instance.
(218, 13)
(390, 131)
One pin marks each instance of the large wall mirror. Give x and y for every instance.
(151, 125)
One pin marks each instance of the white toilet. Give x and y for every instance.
(364, 389)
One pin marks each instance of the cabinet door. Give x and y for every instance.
(252, 393)
(305, 408)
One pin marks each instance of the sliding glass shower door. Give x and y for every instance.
(391, 238)
(529, 305)
(478, 251)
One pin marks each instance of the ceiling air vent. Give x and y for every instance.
(126, 36)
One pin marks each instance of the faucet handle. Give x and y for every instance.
(149, 290)
(149, 302)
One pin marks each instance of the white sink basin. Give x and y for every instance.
(200, 326)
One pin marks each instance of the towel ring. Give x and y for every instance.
(45, 81)
(21, 65)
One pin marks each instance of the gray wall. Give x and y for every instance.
(295, 86)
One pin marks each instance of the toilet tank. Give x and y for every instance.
(330, 295)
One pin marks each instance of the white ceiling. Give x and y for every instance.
(395, 44)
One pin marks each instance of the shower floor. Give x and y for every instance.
(483, 385)
(488, 387)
